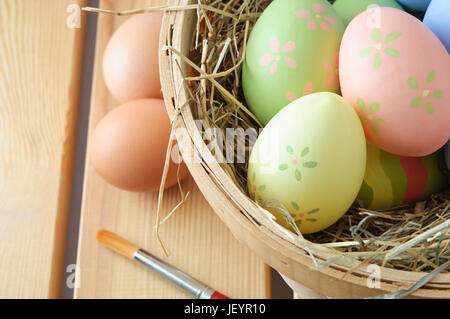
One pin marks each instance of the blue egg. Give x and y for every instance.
(437, 19)
(420, 5)
(447, 155)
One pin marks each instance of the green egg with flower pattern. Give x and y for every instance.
(348, 9)
(308, 163)
(292, 51)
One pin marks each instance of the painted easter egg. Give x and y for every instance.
(393, 180)
(292, 51)
(348, 9)
(401, 93)
(309, 161)
(437, 19)
(419, 5)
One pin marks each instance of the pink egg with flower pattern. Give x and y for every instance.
(396, 74)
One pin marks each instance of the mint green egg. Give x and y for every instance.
(309, 162)
(348, 9)
(292, 51)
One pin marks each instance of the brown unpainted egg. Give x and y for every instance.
(128, 147)
(130, 62)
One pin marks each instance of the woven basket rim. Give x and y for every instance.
(243, 217)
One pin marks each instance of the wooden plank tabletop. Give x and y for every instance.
(198, 242)
(40, 63)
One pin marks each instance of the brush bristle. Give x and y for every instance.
(117, 243)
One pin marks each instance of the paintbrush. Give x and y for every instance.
(131, 251)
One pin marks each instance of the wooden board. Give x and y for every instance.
(198, 242)
(40, 72)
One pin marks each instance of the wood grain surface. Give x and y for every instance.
(40, 71)
(198, 242)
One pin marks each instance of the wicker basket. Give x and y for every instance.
(278, 248)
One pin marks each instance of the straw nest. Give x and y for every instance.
(413, 238)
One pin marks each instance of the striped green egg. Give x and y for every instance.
(391, 180)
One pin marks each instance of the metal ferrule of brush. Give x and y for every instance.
(195, 287)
